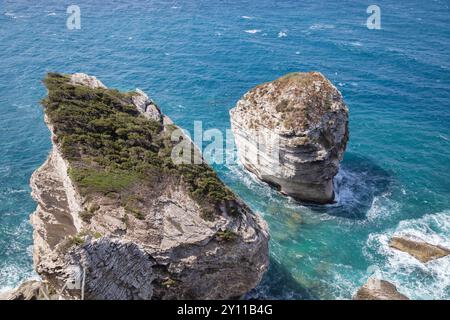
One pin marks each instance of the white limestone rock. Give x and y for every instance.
(292, 133)
(86, 80)
(145, 105)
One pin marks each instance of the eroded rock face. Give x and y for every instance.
(148, 108)
(29, 290)
(86, 80)
(376, 289)
(420, 250)
(170, 251)
(303, 116)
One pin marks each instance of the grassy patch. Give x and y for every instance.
(91, 180)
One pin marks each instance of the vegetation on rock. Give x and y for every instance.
(227, 235)
(111, 147)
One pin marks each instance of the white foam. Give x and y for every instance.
(13, 15)
(10, 14)
(415, 279)
(321, 26)
(12, 275)
(282, 34)
(382, 207)
(343, 287)
(13, 191)
(432, 228)
(253, 31)
(246, 17)
(355, 44)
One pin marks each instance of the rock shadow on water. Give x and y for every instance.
(277, 284)
(359, 181)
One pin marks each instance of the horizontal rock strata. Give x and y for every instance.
(170, 233)
(292, 133)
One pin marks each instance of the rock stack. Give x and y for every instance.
(292, 133)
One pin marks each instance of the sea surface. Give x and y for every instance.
(197, 58)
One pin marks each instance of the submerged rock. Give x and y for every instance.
(116, 219)
(292, 133)
(376, 289)
(420, 250)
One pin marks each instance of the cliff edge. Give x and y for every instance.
(117, 219)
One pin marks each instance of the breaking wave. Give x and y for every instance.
(417, 280)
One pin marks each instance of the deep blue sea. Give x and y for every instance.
(197, 58)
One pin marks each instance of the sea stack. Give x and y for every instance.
(117, 219)
(292, 134)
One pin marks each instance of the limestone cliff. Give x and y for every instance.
(112, 207)
(292, 133)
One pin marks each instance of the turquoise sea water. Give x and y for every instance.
(197, 58)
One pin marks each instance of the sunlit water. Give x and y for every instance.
(197, 58)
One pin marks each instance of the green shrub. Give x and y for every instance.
(76, 240)
(91, 180)
(168, 283)
(97, 235)
(111, 147)
(226, 235)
